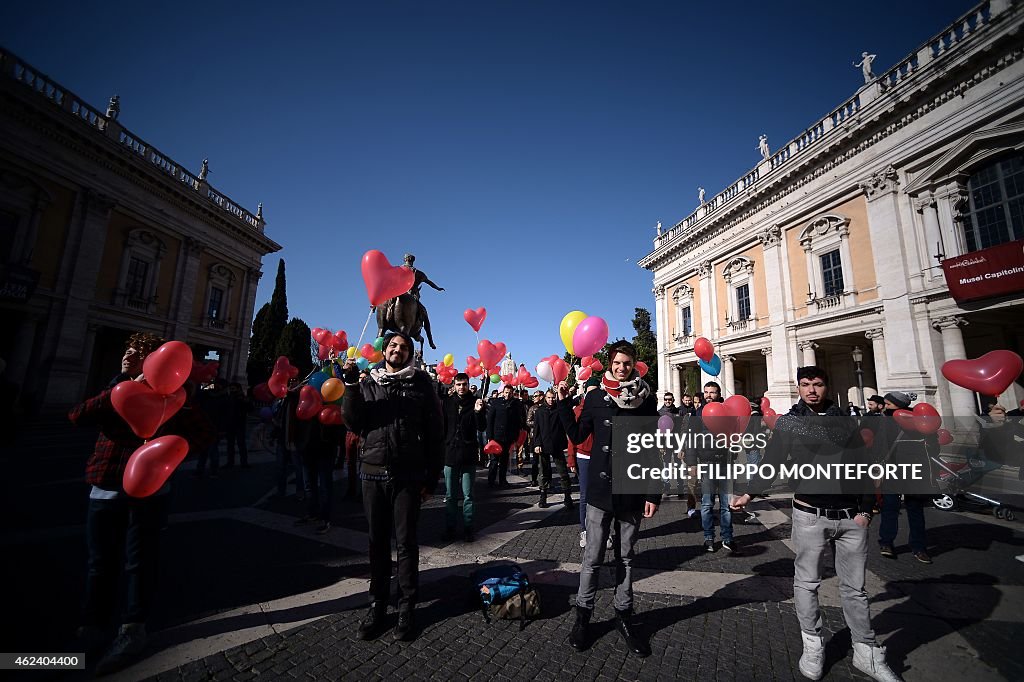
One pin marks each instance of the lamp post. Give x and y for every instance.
(858, 357)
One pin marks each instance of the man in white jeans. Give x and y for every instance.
(820, 518)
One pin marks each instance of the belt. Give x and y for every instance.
(830, 514)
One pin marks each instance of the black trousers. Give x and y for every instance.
(545, 470)
(497, 466)
(391, 504)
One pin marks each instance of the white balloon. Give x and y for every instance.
(544, 371)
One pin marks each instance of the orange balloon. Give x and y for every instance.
(332, 389)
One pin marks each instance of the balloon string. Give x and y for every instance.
(365, 325)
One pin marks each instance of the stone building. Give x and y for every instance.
(887, 238)
(102, 235)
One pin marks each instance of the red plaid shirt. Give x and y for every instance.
(117, 441)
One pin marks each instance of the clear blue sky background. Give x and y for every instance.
(522, 150)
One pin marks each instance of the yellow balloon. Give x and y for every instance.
(449, 360)
(332, 390)
(351, 352)
(568, 327)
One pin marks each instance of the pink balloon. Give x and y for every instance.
(384, 281)
(168, 367)
(475, 318)
(590, 336)
(152, 464)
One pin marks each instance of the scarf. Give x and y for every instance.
(383, 377)
(629, 394)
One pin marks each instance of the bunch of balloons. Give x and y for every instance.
(369, 354)
(383, 280)
(553, 369)
(203, 373)
(520, 378)
(708, 360)
(446, 369)
(278, 381)
(327, 342)
(588, 365)
(727, 418)
(145, 407)
(582, 334)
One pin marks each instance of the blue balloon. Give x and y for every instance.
(714, 368)
(318, 379)
(362, 363)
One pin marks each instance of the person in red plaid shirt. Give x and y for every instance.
(122, 530)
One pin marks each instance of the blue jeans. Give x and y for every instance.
(452, 476)
(124, 531)
(709, 489)
(582, 467)
(891, 521)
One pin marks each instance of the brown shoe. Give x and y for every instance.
(923, 557)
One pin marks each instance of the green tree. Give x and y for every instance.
(646, 344)
(294, 344)
(267, 327)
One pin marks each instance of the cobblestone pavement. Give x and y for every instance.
(246, 593)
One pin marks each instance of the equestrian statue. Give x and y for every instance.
(406, 313)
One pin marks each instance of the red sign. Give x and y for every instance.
(995, 271)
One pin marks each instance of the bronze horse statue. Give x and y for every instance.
(407, 315)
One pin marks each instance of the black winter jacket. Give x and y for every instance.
(550, 432)
(596, 418)
(461, 423)
(504, 420)
(400, 425)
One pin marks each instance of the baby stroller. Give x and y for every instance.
(953, 480)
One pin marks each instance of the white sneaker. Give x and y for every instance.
(583, 538)
(812, 662)
(870, 660)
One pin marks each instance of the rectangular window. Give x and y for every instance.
(832, 273)
(135, 283)
(743, 302)
(216, 299)
(687, 321)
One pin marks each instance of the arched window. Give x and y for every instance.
(996, 204)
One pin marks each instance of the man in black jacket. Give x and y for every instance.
(504, 421)
(820, 520)
(463, 417)
(622, 394)
(550, 445)
(397, 414)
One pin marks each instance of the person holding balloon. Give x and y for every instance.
(124, 518)
(623, 393)
(505, 419)
(397, 414)
(550, 444)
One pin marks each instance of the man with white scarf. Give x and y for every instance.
(622, 394)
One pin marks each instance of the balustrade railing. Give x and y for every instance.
(936, 48)
(24, 73)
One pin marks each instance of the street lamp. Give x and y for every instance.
(858, 357)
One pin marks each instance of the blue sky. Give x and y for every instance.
(522, 150)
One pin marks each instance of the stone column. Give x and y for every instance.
(877, 338)
(960, 400)
(728, 375)
(252, 280)
(185, 289)
(928, 209)
(707, 313)
(891, 256)
(661, 333)
(767, 353)
(80, 267)
(807, 351)
(780, 379)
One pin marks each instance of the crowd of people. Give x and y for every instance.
(404, 434)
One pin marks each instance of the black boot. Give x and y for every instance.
(634, 642)
(579, 636)
(372, 624)
(568, 501)
(543, 500)
(404, 629)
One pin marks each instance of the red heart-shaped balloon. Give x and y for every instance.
(475, 318)
(331, 416)
(310, 403)
(559, 370)
(905, 418)
(383, 280)
(321, 335)
(926, 418)
(584, 374)
(641, 368)
(489, 353)
(739, 408)
(868, 436)
(285, 368)
(152, 464)
(765, 405)
(493, 447)
(770, 417)
(703, 349)
(718, 419)
(945, 437)
(278, 385)
(532, 382)
(168, 367)
(991, 374)
(144, 409)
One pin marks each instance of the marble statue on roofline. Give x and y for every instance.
(762, 146)
(865, 66)
(658, 228)
(114, 107)
(700, 195)
(204, 170)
